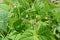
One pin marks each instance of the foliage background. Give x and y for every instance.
(30, 20)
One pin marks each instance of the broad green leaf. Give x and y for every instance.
(3, 17)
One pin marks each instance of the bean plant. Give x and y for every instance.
(30, 20)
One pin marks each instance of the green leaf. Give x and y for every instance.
(3, 17)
